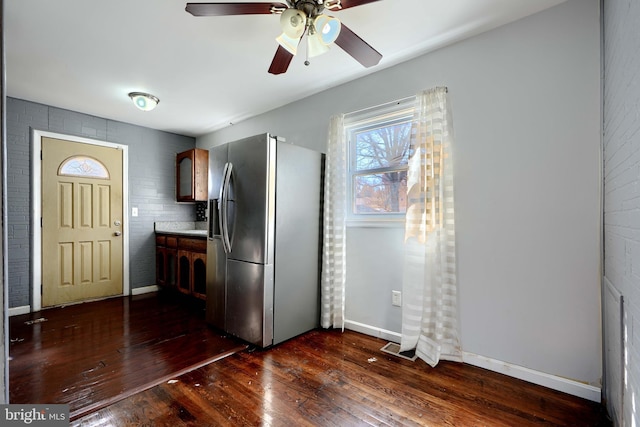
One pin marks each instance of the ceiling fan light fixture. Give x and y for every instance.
(289, 43)
(144, 101)
(298, 17)
(293, 22)
(328, 28)
(315, 45)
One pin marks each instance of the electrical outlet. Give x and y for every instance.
(396, 298)
(134, 211)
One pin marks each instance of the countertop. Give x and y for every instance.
(194, 233)
(183, 228)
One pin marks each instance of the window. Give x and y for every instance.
(83, 166)
(378, 142)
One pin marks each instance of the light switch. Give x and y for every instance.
(134, 211)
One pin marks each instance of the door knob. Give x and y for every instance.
(117, 233)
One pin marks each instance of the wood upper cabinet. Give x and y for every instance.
(192, 175)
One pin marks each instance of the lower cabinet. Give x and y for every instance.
(166, 261)
(181, 263)
(199, 268)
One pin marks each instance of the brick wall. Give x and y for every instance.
(622, 195)
(151, 177)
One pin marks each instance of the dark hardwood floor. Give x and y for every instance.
(329, 378)
(93, 354)
(147, 361)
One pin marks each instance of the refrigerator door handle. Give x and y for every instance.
(221, 205)
(224, 211)
(213, 218)
(224, 175)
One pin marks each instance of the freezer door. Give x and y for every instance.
(216, 292)
(253, 161)
(216, 258)
(249, 312)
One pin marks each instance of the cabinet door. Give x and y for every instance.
(192, 175)
(199, 274)
(161, 266)
(184, 268)
(184, 271)
(200, 175)
(171, 265)
(184, 176)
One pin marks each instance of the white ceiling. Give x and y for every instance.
(209, 71)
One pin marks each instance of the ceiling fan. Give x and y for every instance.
(298, 17)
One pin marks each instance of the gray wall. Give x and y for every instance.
(622, 202)
(151, 185)
(526, 110)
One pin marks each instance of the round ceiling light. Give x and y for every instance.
(144, 101)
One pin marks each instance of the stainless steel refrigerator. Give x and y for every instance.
(263, 252)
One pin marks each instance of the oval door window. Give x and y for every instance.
(83, 166)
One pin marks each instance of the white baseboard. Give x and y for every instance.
(15, 311)
(564, 385)
(144, 290)
(372, 331)
(554, 382)
(24, 309)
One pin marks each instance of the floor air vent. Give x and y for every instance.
(393, 348)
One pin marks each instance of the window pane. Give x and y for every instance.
(83, 166)
(383, 147)
(380, 193)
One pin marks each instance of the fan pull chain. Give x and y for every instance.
(309, 29)
(306, 61)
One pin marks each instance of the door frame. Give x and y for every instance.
(36, 209)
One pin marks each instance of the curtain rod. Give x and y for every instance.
(387, 104)
(384, 104)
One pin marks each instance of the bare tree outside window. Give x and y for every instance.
(380, 168)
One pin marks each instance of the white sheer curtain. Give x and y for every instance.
(334, 242)
(429, 311)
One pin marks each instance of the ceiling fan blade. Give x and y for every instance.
(283, 58)
(281, 61)
(221, 9)
(345, 4)
(360, 50)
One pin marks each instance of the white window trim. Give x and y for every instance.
(358, 119)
